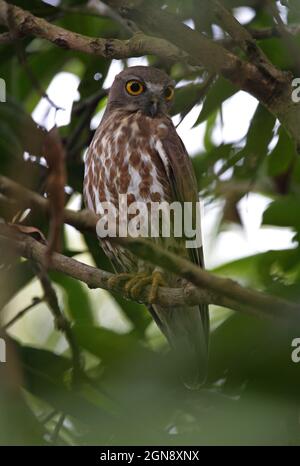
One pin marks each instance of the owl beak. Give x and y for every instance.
(153, 107)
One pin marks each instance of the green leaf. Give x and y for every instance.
(284, 212)
(18, 425)
(282, 155)
(255, 353)
(109, 346)
(21, 127)
(210, 126)
(259, 136)
(78, 304)
(204, 163)
(186, 97)
(13, 280)
(220, 91)
(47, 376)
(138, 314)
(262, 270)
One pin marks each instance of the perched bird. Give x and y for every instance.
(136, 151)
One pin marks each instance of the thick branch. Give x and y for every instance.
(202, 50)
(261, 303)
(269, 85)
(31, 249)
(175, 42)
(7, 38)
(219, 291)
(26, 23)
(241, 36)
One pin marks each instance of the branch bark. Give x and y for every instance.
(271, 86)
(208, 288)
(174, 41)
(84, 220)
(26, 23)
(259, 302)
(275, 31)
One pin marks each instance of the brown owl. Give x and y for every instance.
(137, 152)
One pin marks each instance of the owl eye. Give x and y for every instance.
(135, 87)
(169, 93)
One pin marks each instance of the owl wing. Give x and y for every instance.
(181, 176)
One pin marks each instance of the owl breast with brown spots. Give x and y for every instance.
(123, 159)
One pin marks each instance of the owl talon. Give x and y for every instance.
(116, 280)
(136, 282)
(157, 281)
(137, 288)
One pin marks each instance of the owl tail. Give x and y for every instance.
(186, 329)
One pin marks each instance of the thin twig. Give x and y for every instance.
(78, 107)
(54, 153)
(241, 36)
(84, 220)
(55, 434)
(60, 320)
(48, 417)
(22, 313)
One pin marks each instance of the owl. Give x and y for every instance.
(137, 152)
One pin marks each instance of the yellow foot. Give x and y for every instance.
(135, 286)
(117, 281)
(136, 282)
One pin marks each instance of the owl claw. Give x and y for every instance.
(133, 287)
(157, 281)
(116, 280)
(136, 282)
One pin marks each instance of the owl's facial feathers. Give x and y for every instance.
(142, 88)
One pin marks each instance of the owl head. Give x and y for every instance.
(142, 88)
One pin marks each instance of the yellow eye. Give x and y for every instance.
(135, 87)
(169, 93)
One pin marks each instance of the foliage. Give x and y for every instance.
(130, 393)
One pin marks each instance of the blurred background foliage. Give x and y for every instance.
(132, 394)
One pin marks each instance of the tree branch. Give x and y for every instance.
(275, 31)
(7, 38)
(263, 80)
(209, 288)
(260, 302)
(22, 313)
(26, 23)
(213, 290)
(61, 322)
(240, 35)
(175, 41)
(84, 220)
